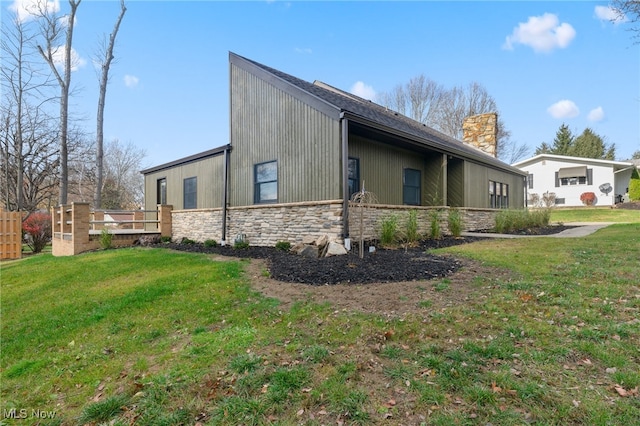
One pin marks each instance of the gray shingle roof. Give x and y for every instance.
(392, 120)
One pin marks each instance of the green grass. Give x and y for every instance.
(150, 337)
(595, 214)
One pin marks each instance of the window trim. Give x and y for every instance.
(257, 185)
(159, 192)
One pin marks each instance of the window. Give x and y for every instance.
(498, 195)
(530, 180)
(354, 176)
(190, 186)
(266, 182)
(411, 187)
(570, 176)
(161, 191)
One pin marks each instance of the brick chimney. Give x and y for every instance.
(481, 132)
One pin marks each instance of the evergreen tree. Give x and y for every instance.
(563, 141)
(634, 186)
(591, 145)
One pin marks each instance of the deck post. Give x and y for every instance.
(164, 219)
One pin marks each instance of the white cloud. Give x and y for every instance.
(564, 109)
(596, 114)
(131, 81)
(77, 61)
(305, 50)
(26, 9)
(609, 14)
(363, 90)
(541, 33)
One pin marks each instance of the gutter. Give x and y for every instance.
(225, 196)
(344, 124)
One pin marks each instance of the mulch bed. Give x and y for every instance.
(543, 230)
(381, 266)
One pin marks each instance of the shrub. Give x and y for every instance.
(454, 220)
(283, 245)
(211, 243)
(435, 232)
(241, 244)
(187, 241)
(38, 227)
(106, 239)
(588, 198)
(389, 230)
(514, 220)
(634, 186)
(165, 239)
(412, 227)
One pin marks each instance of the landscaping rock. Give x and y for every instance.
(335, 249)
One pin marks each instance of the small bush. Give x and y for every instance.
(389, 230)
(507, 221)
(454, 220)
(38, 227)
(106, 239)
(165, 239)
(241, 244)
(588, 198)
(412, 227)
(435, 232)
(634, 186)
(211, 243)
(283, 245)
(187, 241)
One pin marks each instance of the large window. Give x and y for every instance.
(190, 186)
(266, 182)
(354, 176)
(530, 180)
(498, 195)
(570, 176)
(411, 187)
(161, 191)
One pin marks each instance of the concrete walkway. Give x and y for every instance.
(582, 229)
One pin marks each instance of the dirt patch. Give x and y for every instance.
(391, 299)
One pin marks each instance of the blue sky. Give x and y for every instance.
(545, 63)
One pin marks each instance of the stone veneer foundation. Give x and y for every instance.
(265, 225)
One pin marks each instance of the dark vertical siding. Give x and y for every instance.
(455, 182)
(269, 124)
(435, 180)
(209, 172)
(381, 168)
(477, 186)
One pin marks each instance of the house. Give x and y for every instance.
(300, 150)
(569, 177)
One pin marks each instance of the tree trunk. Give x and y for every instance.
(104, 80)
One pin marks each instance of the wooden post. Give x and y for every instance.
(10, 235)
(164, 218)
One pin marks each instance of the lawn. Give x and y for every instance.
(151, 337)
(595, 214)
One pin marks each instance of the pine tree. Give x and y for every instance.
(634, 185)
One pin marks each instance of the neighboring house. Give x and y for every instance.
(569, 177)
(300, 150)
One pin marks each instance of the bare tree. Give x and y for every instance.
(25, 127)
(628, 11)
(123, 183)
(52, 28)
(107, 54)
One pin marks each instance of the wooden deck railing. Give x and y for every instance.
(76, 229)
(10, 235)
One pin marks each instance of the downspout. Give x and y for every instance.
(225, 182)
(345, 178)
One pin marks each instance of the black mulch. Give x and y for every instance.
(543, 230)
(401, 264)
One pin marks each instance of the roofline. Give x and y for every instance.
(570, 158)
(482, 158)
(190, 159)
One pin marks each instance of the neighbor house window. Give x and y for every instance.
(354, 176)
(266, 182)
(530, 180)
(498, 195)
(190, 189)
(411, 187)
(570, 176)
(161, 191)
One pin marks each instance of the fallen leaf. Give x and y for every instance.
(300, 412)
(576, 403)
(621, 391)
(495, 388)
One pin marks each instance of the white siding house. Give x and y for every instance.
(570, 177)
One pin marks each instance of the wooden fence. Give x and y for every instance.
(10, 235)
